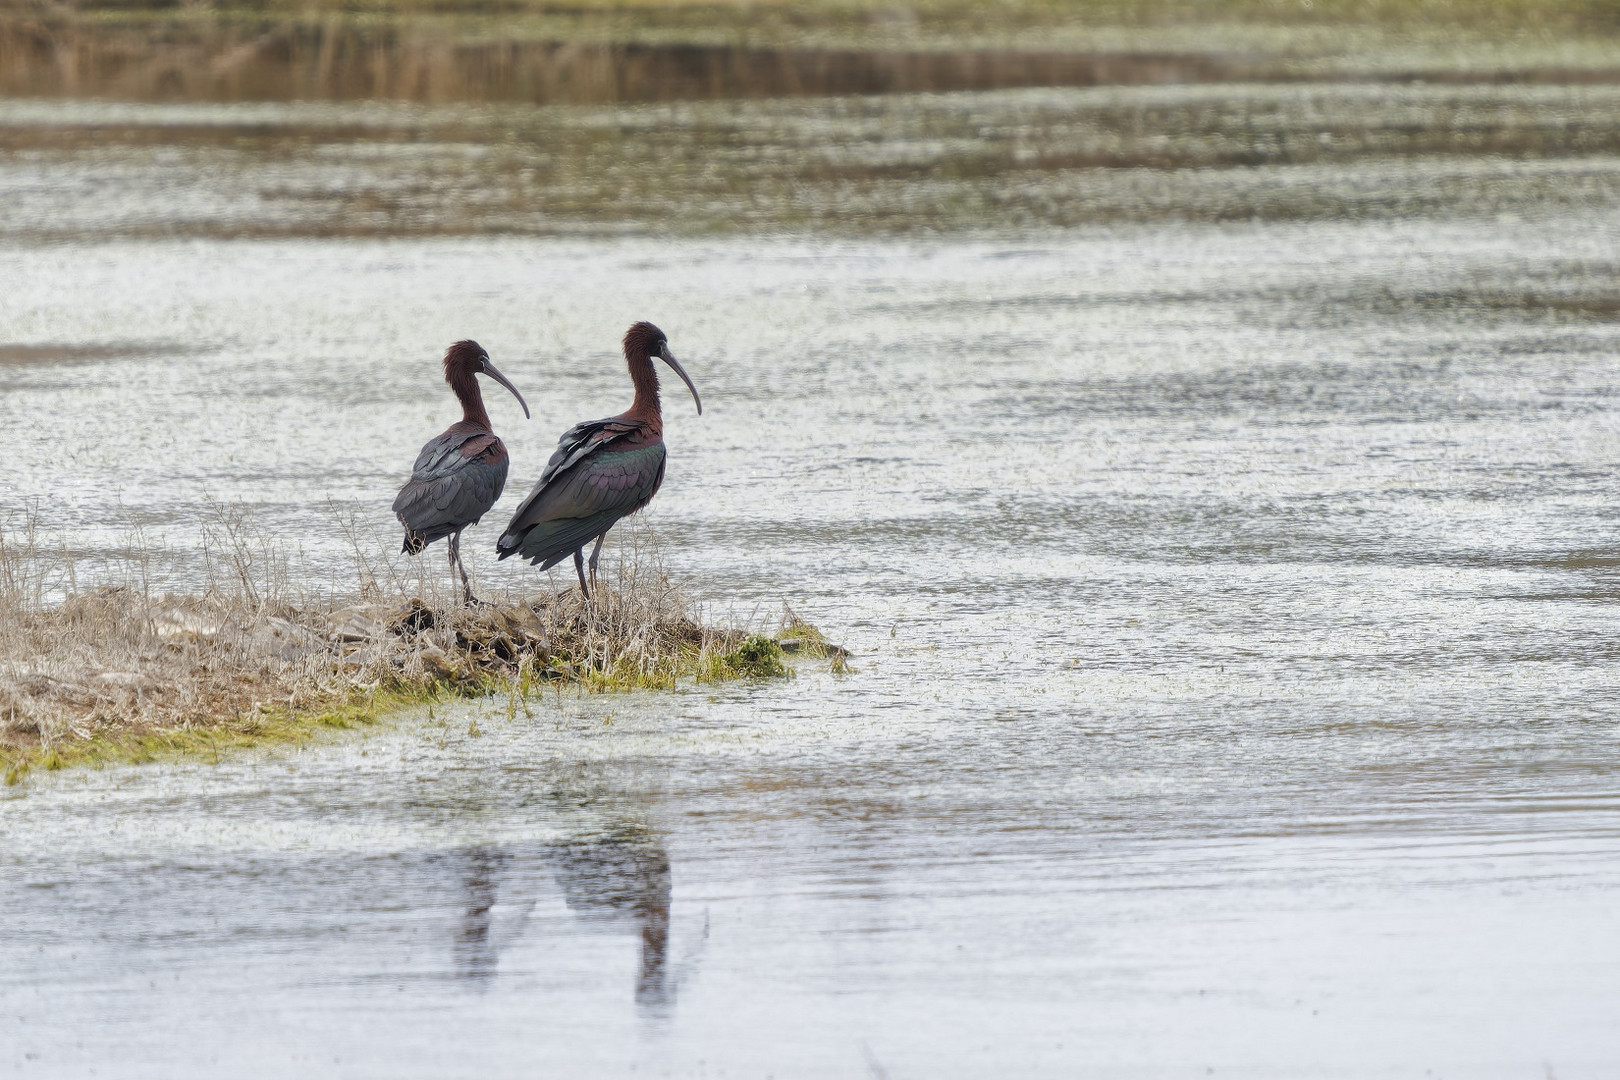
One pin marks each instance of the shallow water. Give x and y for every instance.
(1232, 609)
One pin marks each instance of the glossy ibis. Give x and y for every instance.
(602, 470)
(459, 475)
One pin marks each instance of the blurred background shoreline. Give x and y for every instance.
(604, 51)
(794, 117)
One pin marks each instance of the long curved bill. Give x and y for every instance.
(494, 373)
(669, 358)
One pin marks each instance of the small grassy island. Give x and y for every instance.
(113, 673)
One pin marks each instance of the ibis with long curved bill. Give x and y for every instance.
(601, 471)
(458, 475)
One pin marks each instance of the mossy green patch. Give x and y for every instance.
(210, 742)
(757, 657)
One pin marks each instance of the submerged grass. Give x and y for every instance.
(114, 672)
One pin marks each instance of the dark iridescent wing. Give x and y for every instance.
(589, 484)
(580, 440)
(576, 443)
(457, 478)
(584, 502)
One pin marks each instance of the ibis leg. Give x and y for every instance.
(457, 565)
(596, 553)
(579, 568)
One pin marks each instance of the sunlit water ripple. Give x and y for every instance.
(1234, 646)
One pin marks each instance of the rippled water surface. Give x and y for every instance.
(1001, 162)
(1233, 610)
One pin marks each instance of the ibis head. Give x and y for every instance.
(462, 362)
(642, 342)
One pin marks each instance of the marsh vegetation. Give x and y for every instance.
(117, 670)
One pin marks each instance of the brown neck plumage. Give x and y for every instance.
(646, 407)
(465, 385)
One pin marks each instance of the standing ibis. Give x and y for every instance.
(459, 475)
(602, 470)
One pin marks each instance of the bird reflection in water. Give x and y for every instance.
(618, 877)
(624, 876)
(474, 949)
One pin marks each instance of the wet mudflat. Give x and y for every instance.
(1232, 609)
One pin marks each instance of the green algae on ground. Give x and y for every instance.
(268, 727)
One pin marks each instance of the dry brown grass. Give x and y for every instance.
(117, 670)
